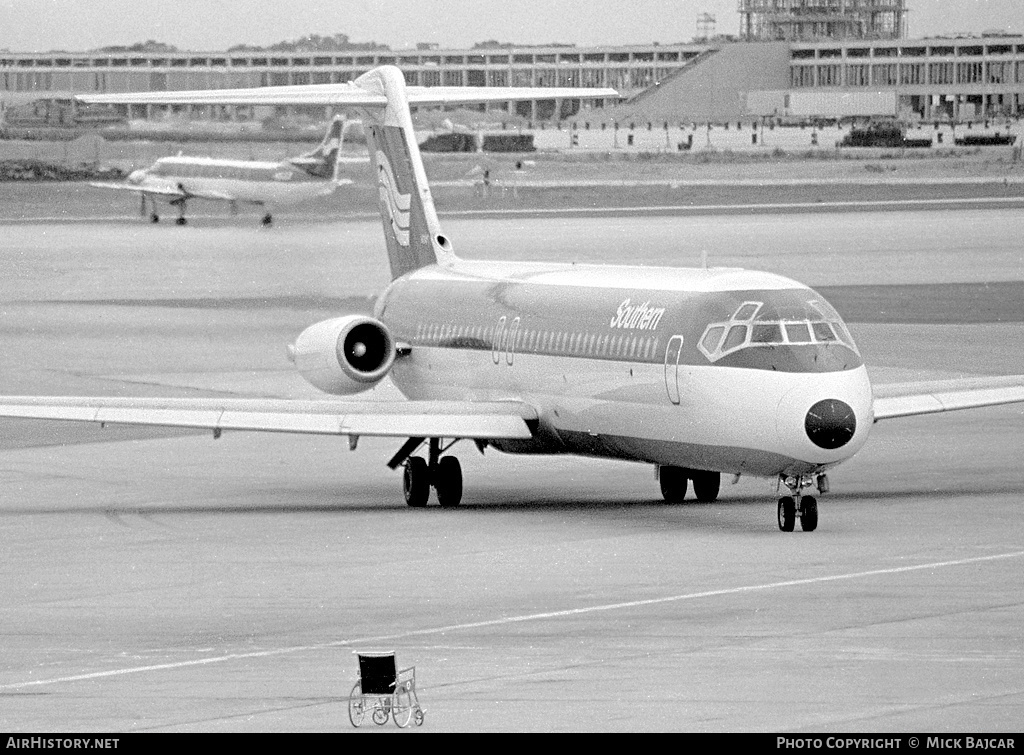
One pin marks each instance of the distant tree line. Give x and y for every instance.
(312, 43)
(148, 46)
(492, 44)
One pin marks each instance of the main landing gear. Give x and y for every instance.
(442, 473)
(674, 481)
(180, 204)
(796, 504)
(268, 220)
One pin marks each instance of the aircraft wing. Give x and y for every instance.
(166, 191)
(911, 399)
(161, 191)
(400, 419)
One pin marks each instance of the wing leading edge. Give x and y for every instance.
(912, 399)
(453, 419)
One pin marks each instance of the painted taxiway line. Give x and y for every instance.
(508, 620)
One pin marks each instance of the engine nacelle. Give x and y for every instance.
(344, 355)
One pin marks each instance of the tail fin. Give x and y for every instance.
(322, 162)
(411, 228)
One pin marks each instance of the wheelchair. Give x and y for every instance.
(384, 691)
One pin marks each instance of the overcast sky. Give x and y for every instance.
(40, 25)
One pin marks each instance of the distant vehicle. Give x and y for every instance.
(176, 180)
(886, 135)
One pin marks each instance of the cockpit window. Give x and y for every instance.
(823, 332)
(755, 324)
(798, 332)
(747, 311)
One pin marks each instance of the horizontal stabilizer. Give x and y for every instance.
(400, 419)
(911, 399)
(350, 94)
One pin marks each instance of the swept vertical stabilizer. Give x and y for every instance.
(411, 228)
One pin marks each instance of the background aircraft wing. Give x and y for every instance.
(161, 191)
(401, 419)
(910, 399)
(217, 195)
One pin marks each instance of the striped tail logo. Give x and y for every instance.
(394, 203)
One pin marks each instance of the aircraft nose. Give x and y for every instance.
(830, 423)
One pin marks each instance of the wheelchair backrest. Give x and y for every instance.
(377, 674)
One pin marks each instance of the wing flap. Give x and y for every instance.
(453, 419)
(912, 399)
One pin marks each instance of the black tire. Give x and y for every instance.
(706, 486)
(449, 482)
(402, 707)
(787, 514)
(673, 481)
(181, 221)
(267, 220)
(154, 218)
(356, 706)
(808, 513)
(416, 482)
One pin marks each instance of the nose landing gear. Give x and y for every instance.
(797, 504)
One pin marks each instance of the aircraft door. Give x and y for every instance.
(510, 342)
(673, 352)
(498, 341)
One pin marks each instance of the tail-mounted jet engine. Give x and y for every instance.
(344, 355)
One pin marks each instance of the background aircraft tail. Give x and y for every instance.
(323, 162)
(411, 228)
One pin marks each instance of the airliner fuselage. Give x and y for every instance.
(716, 369)
(243, 181)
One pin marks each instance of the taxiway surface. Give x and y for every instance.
(174, 583)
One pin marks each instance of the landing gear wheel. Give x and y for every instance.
(356, 709)
(706, 486)
(808, 513)
(448, 482)
(268, 220)
(673, 482)
(181, 221)
(787, 513)
(154, 218)
(416, 482)
(401, 707)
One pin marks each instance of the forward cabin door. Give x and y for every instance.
(673, 352)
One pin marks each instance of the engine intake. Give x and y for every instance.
(344, 355)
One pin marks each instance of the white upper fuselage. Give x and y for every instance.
(706, 369)
(254, 182)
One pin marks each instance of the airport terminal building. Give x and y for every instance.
(798, 59)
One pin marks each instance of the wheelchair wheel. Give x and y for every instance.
(419, 716)
(401, 708)
(356, 707)
(382, 711)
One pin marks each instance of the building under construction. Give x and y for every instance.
(813, 20)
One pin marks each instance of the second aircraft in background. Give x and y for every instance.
(176, 180)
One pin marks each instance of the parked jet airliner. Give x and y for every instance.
(265, 184)
(697, 372)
